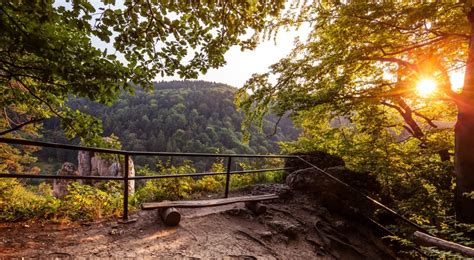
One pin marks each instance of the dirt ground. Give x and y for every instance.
(295, 228)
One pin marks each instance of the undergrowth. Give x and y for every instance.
(20, 202)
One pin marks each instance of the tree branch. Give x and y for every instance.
(429, 121)
(393, 60)
(417, 45)
(275, 127)
(17, 127)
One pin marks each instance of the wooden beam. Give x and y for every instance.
(206, 203)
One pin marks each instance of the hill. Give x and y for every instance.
(178, 116)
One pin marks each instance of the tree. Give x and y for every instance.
(47, 55)
(369, 56)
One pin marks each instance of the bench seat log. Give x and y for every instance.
(206, 203)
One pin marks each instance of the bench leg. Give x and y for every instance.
(256, 207)
(170, 216)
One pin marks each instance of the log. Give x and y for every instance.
(170, 216)
(256, 207)
(427, 240)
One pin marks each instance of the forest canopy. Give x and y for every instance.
(177, 116)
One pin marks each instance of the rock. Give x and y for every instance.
(309, 181)
(84, 163)
(60, 185)
(288, 229)
(265, 234)
(333, 194)
(90, 164)
(283, 191)
(318, 158)
(256, 207)
(116, 232)
(360, 180)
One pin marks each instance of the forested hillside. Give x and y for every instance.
(178, 116)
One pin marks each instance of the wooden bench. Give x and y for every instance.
(171, 216)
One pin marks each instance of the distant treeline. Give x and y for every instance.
(178, 116)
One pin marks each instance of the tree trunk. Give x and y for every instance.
(464, 138)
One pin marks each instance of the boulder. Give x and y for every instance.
(318, 158)
(311, 181)
(60, 185)
(362, 181)
(334, 195)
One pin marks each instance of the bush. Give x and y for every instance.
(85, 202)
(18, 202)
(166, 188)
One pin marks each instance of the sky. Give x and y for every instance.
(242, 64)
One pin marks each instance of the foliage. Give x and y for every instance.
(166, 188)
(416, 181)
(48, 55)
(450, 230)
(178, 116)
(83, 202)
(351, 86)
(212, 183)
(19, 203)
(87, 203)
(186, 187)
(13, 159)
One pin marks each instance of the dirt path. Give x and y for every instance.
(290, 229)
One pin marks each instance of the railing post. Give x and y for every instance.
(125, 188)
(227, 180)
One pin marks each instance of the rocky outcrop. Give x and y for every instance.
(333, 194)
(320, 159)
(90, 164)
(60, 185)
(84, 163)
(362, 181)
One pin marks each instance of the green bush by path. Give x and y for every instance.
(83, 202)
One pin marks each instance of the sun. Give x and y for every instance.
(426, 87)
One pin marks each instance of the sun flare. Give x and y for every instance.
(457, 80)
(426, 87)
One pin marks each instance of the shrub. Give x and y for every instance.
(87, 203)
(18, 202)
(166, 188)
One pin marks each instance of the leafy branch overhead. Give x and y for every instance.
(50, 52)
(365, 53)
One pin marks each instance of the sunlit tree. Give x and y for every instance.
(379, 58)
